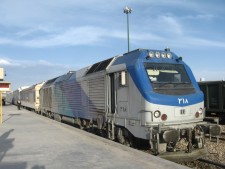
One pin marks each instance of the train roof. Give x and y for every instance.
(212, 82)
(64, 77)
(99, 66)
(49, 82)
(80, 73)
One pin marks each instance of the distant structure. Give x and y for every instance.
(202, 79)
(2, 75)
(4, 87)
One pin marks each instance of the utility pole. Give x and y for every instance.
(128, 10)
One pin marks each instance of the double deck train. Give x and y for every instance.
(145, 94)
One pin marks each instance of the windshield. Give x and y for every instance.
(169, 78)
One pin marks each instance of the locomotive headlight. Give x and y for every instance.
(169, 55)
(200, 111)
(163, 55)
(157, 54)
(151, 54)
(157, 114)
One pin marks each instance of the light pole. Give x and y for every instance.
(128, 10)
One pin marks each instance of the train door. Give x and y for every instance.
(119, 107)
(118, 94)
(122, 95)
(112, 93)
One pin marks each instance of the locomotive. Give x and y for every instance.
(144, 94)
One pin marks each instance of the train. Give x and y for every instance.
(14, 96)
(147, 95)
(29, 97)
(214, 99)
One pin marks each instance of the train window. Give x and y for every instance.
(170, 79)
(167, 73)
(123, 78)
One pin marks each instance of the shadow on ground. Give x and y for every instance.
(6, 144)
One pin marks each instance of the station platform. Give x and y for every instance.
(31, 141)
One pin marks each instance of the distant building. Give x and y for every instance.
(2, 75)
(202, 79)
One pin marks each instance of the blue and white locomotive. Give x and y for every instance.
(160, 102)
(145, 94)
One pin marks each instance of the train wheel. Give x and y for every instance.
(124, 137)
(120, 136)
(57, 117)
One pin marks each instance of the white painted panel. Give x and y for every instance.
(182, 111)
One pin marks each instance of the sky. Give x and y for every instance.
(42, 39)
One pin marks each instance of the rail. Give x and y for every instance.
(212, 162)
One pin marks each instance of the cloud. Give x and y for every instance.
(5, 41)
(170, 25)
(84, 35)
(4, 62)
(199, 17)
(73, 23)
(90, 35)
(50, 64)
(7, 62)
(31, 32)
(194, 41)
(29, 72)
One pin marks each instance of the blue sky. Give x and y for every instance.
(42, 39)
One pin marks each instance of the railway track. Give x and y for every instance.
(216, 154)
(212, 163)
(222, 136)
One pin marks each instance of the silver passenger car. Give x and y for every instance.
(30, 97)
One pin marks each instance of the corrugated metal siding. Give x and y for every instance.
(84, 94)
(27, 97)
(46, 95)
(46, 98)
(96, 102)
(72, 98)
(57, 98)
